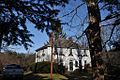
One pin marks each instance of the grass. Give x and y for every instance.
(55, 76)
(27, 73)
(45, 76)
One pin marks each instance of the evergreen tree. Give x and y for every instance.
(13, 16)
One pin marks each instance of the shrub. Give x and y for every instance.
(114, 72)
(44, 67)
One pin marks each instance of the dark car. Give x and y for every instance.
(13, 71)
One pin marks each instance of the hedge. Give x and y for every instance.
(44, 67)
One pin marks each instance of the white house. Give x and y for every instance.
(67, 52)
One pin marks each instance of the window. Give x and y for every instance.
(61, 61)
(71, 65)
(43, 54)
(85, 62)
(85, 54)
(70, 53)
(76, 63)
(60, 51)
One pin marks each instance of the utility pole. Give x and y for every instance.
(55, 44)
(51, 63)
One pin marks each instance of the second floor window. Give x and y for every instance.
(70, 53)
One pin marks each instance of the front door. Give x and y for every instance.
(71, 65)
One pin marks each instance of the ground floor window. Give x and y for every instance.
(76, 63)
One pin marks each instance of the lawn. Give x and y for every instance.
(55, 76)
(45, 76)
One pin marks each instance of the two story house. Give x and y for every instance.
(67, 52)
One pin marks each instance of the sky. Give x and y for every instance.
(40, 38)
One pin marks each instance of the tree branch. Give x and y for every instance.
(72, 10)
(110, 36)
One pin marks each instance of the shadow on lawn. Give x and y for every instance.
(33, 76)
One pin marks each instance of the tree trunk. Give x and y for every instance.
(94, 40)
(1, 36)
